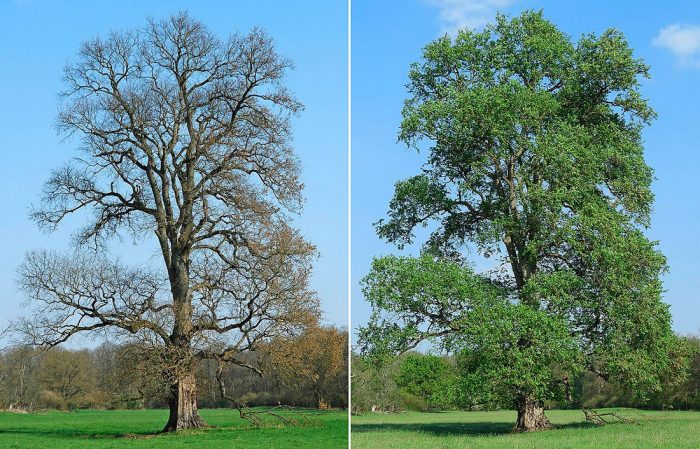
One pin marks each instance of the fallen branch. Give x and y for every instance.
(256, 417)
(609, 417)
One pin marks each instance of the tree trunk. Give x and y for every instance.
(531, 416)
(183, 391)
(183, 405)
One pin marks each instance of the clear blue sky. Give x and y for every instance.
(388, 35)
(38, 37)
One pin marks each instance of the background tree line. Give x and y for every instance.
(309, 370)
(426, 382)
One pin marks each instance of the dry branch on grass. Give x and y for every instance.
(257, 417)
(612, 417)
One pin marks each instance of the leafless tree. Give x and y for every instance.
(186, 137)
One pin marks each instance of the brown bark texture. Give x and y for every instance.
(183, 405)
(531, 416)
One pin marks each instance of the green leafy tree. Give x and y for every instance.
(373, 385)
(429, 377)
(535, 156)
(676, 380)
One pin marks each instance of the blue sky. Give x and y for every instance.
(387, 36)
(37, 38)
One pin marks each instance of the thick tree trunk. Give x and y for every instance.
(531, 416)
(183, 405)
(183, 391)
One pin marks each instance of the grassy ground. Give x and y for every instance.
(475, 430)
(98, 429)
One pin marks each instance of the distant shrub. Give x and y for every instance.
(413, 402)
(52, 400)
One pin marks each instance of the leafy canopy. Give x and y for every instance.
(428, 377)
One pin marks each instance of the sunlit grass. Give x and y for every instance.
(139, 429)
(474, 430)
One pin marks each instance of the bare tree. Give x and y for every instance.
(18, 383)
(186, 137)
(71, 375)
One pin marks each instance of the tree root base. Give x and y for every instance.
(196, 423)
(533, 428)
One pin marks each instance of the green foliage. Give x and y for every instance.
(511, 350)
(429, 377)
(403, 291)
(679, 383)
(411, 381)
(687, 393)
(429, 298)
(374, 387)
(414, 403)
(470, 381)
(535, 157)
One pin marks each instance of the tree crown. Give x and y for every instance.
(535, 155)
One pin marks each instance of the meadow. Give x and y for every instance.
(482, 430)
(98, 429)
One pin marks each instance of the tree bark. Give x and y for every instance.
(183, 405)
(531, 416)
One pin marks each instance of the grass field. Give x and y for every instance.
(137, 428)
(474, 430)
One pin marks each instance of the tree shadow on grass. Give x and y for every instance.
(71, 433)
(74, 433)
(456, 428)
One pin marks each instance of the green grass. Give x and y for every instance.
(475, 430)
(137, 429)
